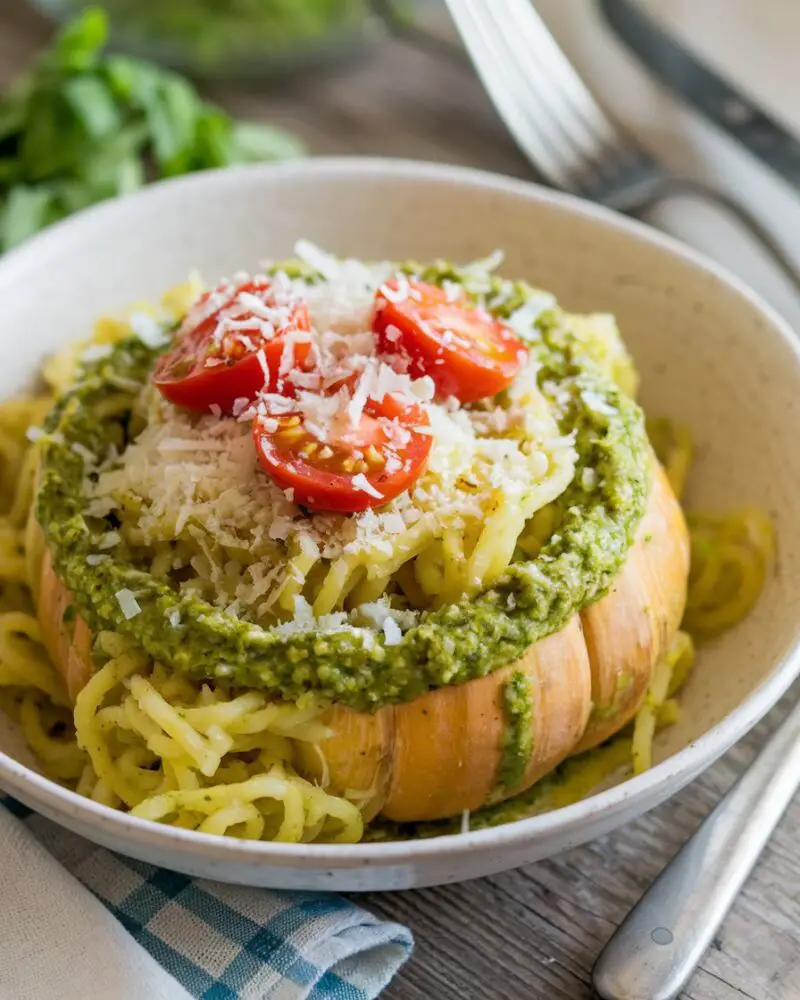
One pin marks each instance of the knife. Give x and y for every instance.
(708, 92)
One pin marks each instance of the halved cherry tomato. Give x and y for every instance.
(227, 341)
(466, 351)
(385, 451)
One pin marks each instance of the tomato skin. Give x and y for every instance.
(220, 386)
(326, 485)
(198, 374)
(465, 351)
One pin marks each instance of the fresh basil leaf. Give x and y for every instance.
(79, 44)
(26, 211)
(130, 175)
(255, 141)
(73, 196)
(172, 114)
(52, 140)
(12, 118)
(92, 102)
(116, 170)
(81, 126)
(214, 144)
(9, 171)
(131, 80)
(129, 142)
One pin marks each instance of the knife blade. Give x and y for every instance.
(708, 92)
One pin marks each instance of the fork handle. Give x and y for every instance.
(658, 946)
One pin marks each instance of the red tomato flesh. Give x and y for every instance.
(385, 448)
(225, 343)
(463, 348)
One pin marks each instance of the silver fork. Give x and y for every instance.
(562, 129)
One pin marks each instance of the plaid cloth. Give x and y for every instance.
(224, 942)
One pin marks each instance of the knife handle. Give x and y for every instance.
(708, 92)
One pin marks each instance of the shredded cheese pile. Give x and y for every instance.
(196, 508)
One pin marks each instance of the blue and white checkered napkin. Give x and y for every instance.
(174, 937)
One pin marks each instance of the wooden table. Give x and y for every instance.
(532, 933)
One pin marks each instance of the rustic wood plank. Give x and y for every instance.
(532, 933)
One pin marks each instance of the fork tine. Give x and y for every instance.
(547, 108)
(490, 58)
(567, 161)
(524, 27)
(581, 147)
(599, 155)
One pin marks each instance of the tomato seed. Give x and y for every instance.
(291, 435)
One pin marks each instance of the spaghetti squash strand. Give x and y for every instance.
(668, 675)
(175, 773)
(731, 555)
(674, 448)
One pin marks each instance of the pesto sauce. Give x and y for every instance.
(453, 644)
(518, 743)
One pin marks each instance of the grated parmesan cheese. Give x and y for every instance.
(96, 352)
(360, 482)
(148, 329)
(588, 478)
(391, 631)
(596, 402)
(128, 604)
(83, 452)
(326, 264)
(523, 320)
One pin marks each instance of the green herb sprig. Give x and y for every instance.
(83, 125)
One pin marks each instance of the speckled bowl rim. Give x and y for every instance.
(567, 821)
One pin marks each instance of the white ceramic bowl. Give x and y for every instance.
(709, 351)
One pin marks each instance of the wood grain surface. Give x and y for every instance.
(532, 933)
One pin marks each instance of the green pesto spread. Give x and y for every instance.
(596, 523)
(518, 743)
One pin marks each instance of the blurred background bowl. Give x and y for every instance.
(242, 38)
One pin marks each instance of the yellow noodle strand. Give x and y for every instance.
(731, 556)
(674, 448)
(661, 684)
